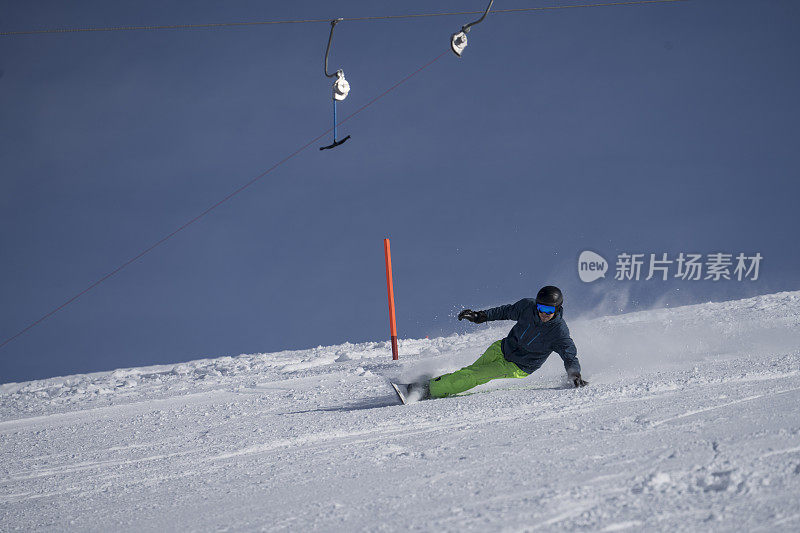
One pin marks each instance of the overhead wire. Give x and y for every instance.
(220, 25)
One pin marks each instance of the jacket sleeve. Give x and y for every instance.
(506, 312)
(565, 347)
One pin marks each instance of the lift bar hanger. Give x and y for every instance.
(340, 88)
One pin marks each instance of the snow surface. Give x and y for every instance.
(691, 423)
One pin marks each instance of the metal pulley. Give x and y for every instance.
(458, 41)
(340, 87)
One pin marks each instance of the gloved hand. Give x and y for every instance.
(577, 380)
(479, 317)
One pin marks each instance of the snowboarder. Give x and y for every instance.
(539, 331)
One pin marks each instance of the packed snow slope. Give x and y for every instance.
(690, 423)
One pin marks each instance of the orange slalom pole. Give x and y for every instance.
(390, 289)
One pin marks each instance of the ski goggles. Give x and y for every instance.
(547, 309)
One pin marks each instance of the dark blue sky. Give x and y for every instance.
(647, 129)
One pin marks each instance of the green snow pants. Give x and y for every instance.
(491, 365)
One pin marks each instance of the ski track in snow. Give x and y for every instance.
(690, 423)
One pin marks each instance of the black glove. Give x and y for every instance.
(479, 317)
(577, 380)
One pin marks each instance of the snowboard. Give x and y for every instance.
(407, 394)
(402, 391)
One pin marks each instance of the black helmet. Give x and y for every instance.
(550, 295)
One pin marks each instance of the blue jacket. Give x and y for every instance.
(531, 341)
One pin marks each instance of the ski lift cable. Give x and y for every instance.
(219, 25)
(220, 202)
